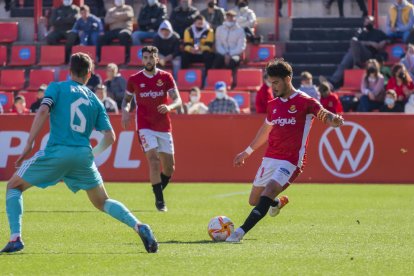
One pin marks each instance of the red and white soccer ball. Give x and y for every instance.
(219, 228)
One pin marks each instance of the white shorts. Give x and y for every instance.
(162, 141)
(280, 171)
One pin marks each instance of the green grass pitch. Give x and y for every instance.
(324, 230)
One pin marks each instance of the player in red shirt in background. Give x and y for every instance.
(151, 88)
(263, 96)
(329, 100)
(286, 128)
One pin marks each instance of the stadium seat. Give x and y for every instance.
(52, 55)
(259, 55)
(39, 77)
(12, 80)
(188, 78)
(136, 56)
(352, 80)
(9, 32)
(215, 75)
(395, 52)
(23, 55)
(126, 73)
(249, 79)
(101, 72)
(90, 50)
(112, 54)
(30, 97)
(3, 55)
(242, 99)
(63, 75)
(6, 100)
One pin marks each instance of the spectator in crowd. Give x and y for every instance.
(19, 106)
(61, 23)
(183, 16)
(213, 14)
(372, 88)
(174, 3)
(306, 85)
(119, 19)
(115, 84)
(109, 104)
(149, 20)
(194, 106)
(263, 96)
(97, 7)
(400, 20)
(198, 44)
(384, 70)
(408, 60)
(94, 81)
(86, 29)
(361, 4)
(168, 43)
(330, 100)
(390, 102)
(230, 43)
(401, 83)
(409, 106)
(246, 18)
(223, 4)
(40, 95)
(365, 45)
(222, 104)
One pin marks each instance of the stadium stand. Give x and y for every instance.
(9, 32)
(3, 55)
(6, 100)
(215, 75)
(259, 55)
(38, 77)
(188, 78)
(112, 54)
(249, 79)
(126, 73)
(90, 50)
(12, 80)
(394, 52)
(52, 55)
(135, 56)
(30, 97)
(352, 80)
(63, 75)
(23, 55)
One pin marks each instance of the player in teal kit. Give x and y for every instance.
(75, 112)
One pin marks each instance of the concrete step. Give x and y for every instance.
(320, 46)
(309, 34)
(314, 58)
(327, 22)
(314, 69)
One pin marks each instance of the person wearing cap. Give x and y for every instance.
(40, 95)
(109, 104)
(168, 43)
(222, 104)
(230, 43)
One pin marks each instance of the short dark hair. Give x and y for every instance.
(195, 89)
(391, 92)
(81, 64)
(20, 98)
(199, 17)
(279, 68)
(85, 8)
(150, 49)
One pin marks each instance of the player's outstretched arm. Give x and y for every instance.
(126, 107)
(329, 118)
(175, 96)
(108, 139)
(258, 141)
(41, 115)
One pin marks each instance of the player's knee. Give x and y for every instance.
(99, 204)
(273, 189)
(253, 201)
(169, 170)
(15, 183)
(154, 162)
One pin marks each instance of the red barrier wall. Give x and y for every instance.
(368, 148)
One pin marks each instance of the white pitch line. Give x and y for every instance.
(232, 194)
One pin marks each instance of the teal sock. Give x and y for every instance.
(14, 209)
(118, 211)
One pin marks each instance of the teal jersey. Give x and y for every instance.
(75, 112)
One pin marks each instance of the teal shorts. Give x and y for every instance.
(74, 165)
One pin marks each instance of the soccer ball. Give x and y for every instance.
(219, 228)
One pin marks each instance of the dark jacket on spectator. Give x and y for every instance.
(63, 17)
(157, 11)
(216, 18)
(182, 19)
(92, 24)
(116, 88)
(168, 46)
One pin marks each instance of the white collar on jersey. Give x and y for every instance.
(291, 96)
(150, 76)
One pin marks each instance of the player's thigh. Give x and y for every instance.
(165, 142)
(255, 195)
(264, 173)
(283, 173)
(147, 139)
(153, 158)
(98, 196)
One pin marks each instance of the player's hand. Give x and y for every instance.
(125, 119)
(337, 121)
(27, 149)
(239, 159)
(163, 109)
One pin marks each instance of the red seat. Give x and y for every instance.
(395, 53)
(353, 79)
(259, 55)
(9, 32)
(6, 100)
(52, 55)
(12, 80)
(101, 72)
(136, 56)
(64, 75)
(39, 77)
(126, 73)
(23, 55)
(30, 97)
(3, 55)
(242, 99)
(112, 54)
(188, 78)
(90, 50)
(249, 79)
(215, 75)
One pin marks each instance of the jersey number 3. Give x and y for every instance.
(75, 110)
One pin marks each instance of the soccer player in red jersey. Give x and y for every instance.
(286, 128)
(151, 88)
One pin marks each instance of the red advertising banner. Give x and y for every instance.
(369, 148)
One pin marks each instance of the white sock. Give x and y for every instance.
(240, 231)
(13, 237)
